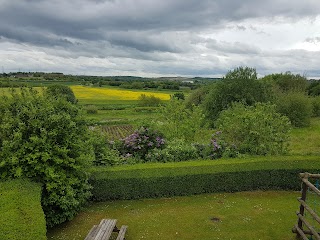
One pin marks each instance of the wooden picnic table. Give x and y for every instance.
(104, 230)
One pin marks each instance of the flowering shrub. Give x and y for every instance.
(141, 142)
(217, 148)
(177, 150)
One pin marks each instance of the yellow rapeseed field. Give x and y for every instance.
(85, 93)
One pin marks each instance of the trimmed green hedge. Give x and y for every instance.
(195, 177)
(21, 215)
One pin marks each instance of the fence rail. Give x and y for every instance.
(298, 228)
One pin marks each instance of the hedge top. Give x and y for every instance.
(207, 167)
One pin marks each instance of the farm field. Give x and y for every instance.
(212, 216)
(101, 94)
(117, 131)
(245, 215)
(128, 115)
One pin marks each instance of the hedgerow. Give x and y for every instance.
(21, 214)
(195, 177)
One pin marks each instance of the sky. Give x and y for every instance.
(153, 38)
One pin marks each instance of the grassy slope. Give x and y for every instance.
(246, 215)
(306, 141)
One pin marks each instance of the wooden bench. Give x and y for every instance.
(104, 230)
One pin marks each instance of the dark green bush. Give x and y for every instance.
(21, 214)
(197, 97)
(149, 101)
(104, 155)
(179, 96)
(314, 88)
(195, 177)
(58, 91)
(316, 106)
(288, 82)
(296, 106)
(91, 109)
(46, 139)
(176, 150)
(255, 130)
(239, 85)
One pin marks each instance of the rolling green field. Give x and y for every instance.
(243, 215)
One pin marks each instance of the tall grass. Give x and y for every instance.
(306, 141)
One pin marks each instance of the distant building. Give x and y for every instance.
(187, 81)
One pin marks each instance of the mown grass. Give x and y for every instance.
(244, 215)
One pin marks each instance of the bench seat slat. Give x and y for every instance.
(104, 230)
(122, 232)
(92, 233)
(106, 227)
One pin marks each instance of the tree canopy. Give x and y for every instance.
(45, 139)
(239, 85)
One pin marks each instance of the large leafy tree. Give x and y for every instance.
(61, 91)
(45, 139)
(239, 85)
(287, 82)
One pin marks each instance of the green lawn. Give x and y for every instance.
(243, 215)
(306, 141)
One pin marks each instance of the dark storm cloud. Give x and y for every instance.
(91, 20)
(168, 36)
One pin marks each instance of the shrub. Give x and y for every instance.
(140, 143)
(296, 106)
(91, 109)
(288, 82)
(149, 101)
(257, 130)
(103, 154)
(45, 139)
(21, 214)
(179, 96)
(196, 177)
(63, 91)
(217, 148)
(239, 85)
(196, 97)
(177, 121)
(176, 150)
(316, 106)
(314, 88)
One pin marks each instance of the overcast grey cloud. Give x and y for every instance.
(157, 38)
